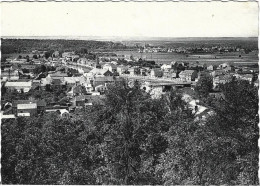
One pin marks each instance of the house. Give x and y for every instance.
(70, 56)
(156, 72)
(20, 86)
(101, 72)
(166, 67)
(218, 73)
(224, 65)
(109, 66)
(133, 71)
(71, 81)
(101, 88)
(222, 79)
(88, 87)
(229, 68)
(103, 80)
(212, 67)
(84, 100)
(67, 54)
(7, 116)
(45, 82)
(28, 107)
(143, 72)
(10, 74)
(247, 77)
(188, 75)
(170, 74)
(121, 69)
(156, 90)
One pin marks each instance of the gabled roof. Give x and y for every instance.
(98, 71)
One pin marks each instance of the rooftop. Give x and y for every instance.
(18, 84)
(187, 72)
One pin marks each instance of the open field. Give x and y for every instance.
(166, 58)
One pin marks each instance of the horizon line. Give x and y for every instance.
(122, 38)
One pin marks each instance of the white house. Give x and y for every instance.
(188, 75)
(20, 86)
(166, 67)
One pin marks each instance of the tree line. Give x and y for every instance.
(27, 45)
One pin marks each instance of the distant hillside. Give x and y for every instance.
(27, 45)
(248, 43)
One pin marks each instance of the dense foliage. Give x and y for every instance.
(130, 138)
(50, 95)
(204, 86)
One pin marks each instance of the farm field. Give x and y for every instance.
(166, 58)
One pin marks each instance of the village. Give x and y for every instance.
(130, 93)
(84, 81)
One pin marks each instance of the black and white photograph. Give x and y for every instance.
(129, 93)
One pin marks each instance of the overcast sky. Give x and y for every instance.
(149, 19)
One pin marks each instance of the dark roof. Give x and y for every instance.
(56, 81)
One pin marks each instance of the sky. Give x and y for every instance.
(130, 19)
